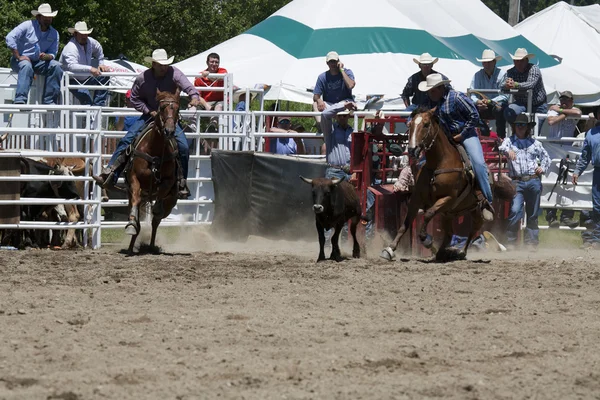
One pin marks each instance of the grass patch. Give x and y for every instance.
(559, 238)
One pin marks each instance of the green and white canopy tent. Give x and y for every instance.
(378, 40)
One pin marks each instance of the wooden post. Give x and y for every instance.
(10, 214)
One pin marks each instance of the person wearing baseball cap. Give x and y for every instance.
(459, 117)
(76, 58)
(562, 119)
(527, 161)
(425, 62)
(523, 76)
(34, 46)
(333, 91)
(490, 77)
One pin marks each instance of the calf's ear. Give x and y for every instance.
(309, 181)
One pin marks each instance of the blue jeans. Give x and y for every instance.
(25, 69)
(529, 193)
(136, 128)
(473, 148)
(83, 95)
(511, 112)
(593, 235)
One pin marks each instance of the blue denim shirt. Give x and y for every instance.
(30, 41)
(590, 151)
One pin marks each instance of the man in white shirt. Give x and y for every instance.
(561, 126)
(77, 58)
(490, 77)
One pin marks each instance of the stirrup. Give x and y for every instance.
(106, 179)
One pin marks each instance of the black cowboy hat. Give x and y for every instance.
(524, 119)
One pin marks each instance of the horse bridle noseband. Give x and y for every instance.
(161, 107)
(427, 135)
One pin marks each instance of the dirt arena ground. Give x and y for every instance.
(262, 320)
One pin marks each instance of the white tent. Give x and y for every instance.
(573, 35)
(378, 41)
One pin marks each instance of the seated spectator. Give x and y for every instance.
(527, 161)
(523, 76)
(211, 100)
(333, 91)
(561, 126)
(76, 57)
(34, 46)
(590, 152)
(419, 97)
(490, 77)
(285, 145)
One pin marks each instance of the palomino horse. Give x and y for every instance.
(152, 172)
(442, 187)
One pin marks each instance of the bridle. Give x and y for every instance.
(163, 104)
(428, 134)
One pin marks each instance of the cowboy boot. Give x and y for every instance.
(487, 210)
(106, 179)
(183, 191)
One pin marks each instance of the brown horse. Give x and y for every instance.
(152, 172)
(442, 187)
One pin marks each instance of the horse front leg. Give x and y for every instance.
(413, 209)
(477, 218)
(157, 216)
(431, 212)
(444, 252)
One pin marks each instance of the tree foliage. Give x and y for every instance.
(183, 27)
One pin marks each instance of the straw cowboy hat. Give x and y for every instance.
(521, 53)
(238, 92)
(425, 58)
(44, 10)
(160, 56)
(81, 27)
(488, 55)
(433, 80)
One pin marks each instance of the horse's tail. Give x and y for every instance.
(504, 189)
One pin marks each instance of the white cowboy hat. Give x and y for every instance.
(521, 53)
(45, 10)
(433, 80)
(239, 92)
(160, 56)
(425, 58)
(488, 55)
(81, 27)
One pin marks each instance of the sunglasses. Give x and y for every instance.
(520, 124)
(284, 121)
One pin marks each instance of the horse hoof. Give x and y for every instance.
(427, 242)
(388, 254)
(130, 230)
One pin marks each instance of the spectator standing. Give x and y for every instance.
(34, 46)
(490, 77)
(425, 62)
(527, 161)
(77, 56)
(561, 126)
(590, 152)
(523, 76)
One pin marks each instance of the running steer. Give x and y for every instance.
(334, 203)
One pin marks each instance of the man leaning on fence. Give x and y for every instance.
(77, 56)
(34, 45)
(591, 153)
(527, 161)
(561, 126)
(490, 77)
(166, 78)
(524, 76)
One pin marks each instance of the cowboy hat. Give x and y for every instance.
(524, 119)
(433, 80)
(160, 56)
(44, 10)
(81, 27)
(521, 53)
(239, 92)
(425, 58)
(488, 55)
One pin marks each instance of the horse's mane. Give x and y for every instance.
(165, 95)
(423, 109)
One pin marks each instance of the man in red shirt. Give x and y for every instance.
(211, 100)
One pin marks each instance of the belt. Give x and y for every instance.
(345, 168)
(525, 178)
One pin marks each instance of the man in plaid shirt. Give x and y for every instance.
(524, 76)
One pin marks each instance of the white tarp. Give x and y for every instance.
(572, 34)
(378, 42)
